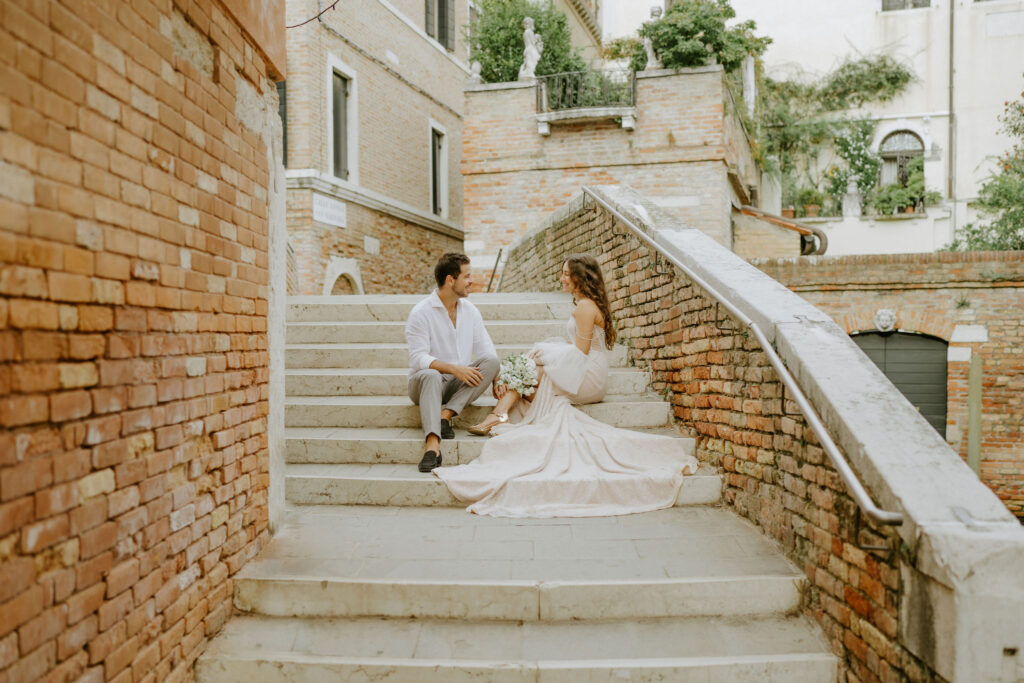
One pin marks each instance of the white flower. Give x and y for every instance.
(519, 374)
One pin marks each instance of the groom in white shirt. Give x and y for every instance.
(451, 356)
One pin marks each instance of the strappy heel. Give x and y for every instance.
(485, 431)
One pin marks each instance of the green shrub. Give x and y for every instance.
(497, 39)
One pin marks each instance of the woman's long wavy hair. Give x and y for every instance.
(585, 273)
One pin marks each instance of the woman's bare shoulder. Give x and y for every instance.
(587, 309)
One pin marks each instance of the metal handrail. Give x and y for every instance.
(847, 474)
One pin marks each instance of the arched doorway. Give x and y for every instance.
(916, 364)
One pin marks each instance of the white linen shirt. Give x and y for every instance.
(431, 336)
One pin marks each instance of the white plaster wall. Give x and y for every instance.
(848, 236)
(816, 35)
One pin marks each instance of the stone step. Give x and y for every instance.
(394, 381)
(390, 445)
(399, 411)
(501, 331)
(396, 308)
(262, 649)
(441, 563)
(391, 355)
(403, 485)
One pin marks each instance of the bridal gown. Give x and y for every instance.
(553, 460)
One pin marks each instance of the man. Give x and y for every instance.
(451, 356)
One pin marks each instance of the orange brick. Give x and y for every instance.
(69, 287)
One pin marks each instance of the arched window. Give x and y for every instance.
(897, 150)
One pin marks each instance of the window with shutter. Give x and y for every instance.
(282, 111)
(437, 172)
(431, 20)
(339, 100)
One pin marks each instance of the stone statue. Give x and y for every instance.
(474, 76)
(653, 63)
(533, 46)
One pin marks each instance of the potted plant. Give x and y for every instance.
(915, 184)
(892, 199)
(810, 198)
(789, 212)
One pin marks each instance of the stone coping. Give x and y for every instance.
(962, 550)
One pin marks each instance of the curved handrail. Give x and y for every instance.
(846, 472)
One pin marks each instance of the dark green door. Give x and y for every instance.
(916, 364)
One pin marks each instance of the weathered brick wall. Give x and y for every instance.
(133, 337)
(403, 265)
(725, 393)
(754, 238)
(680, 155)
(933, 294)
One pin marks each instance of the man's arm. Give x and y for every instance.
(417, 337)
(482, 344)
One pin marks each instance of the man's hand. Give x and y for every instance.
(499, 390)
(467, 374)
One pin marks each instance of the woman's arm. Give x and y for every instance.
(585, 316)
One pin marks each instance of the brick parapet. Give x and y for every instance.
(135, 179)
(726, 395)
(686, 142)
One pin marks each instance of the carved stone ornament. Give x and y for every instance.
(885, 320)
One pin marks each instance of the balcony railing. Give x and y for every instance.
(586, 89)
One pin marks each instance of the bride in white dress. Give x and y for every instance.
(554, 460)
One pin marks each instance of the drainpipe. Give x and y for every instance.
(951, 152)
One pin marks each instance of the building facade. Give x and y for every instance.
(966, 56)
(374, 112)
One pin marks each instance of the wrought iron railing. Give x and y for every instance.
(586, 89)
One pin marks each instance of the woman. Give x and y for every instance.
(555, 461)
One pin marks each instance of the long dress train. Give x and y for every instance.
(556, 461)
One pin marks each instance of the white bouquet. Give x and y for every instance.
(519, 373)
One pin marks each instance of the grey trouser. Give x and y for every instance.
(430, 390)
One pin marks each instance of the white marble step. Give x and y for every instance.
(395, 445)
(443, 563)
(399, 411)
(394, 381)
(396, 308)
(403, 485)
(739, 650)
(391, 355)
(501, 331)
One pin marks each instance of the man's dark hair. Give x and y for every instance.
(449, 264)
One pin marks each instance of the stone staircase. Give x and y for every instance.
(378, 574)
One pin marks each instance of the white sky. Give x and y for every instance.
(623, 17)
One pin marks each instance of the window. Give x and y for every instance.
(897, 150)
(342, 121)
(339, 100)
(282, 111)
(440, 21)
(438, 171)
(890, 5)
(474, 15)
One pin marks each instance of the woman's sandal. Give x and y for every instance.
(480, 430)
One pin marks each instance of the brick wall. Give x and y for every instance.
(754, 238)
(134, 176)
(680, 155)
(404, 263)
(933, 294)
(725, 393)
